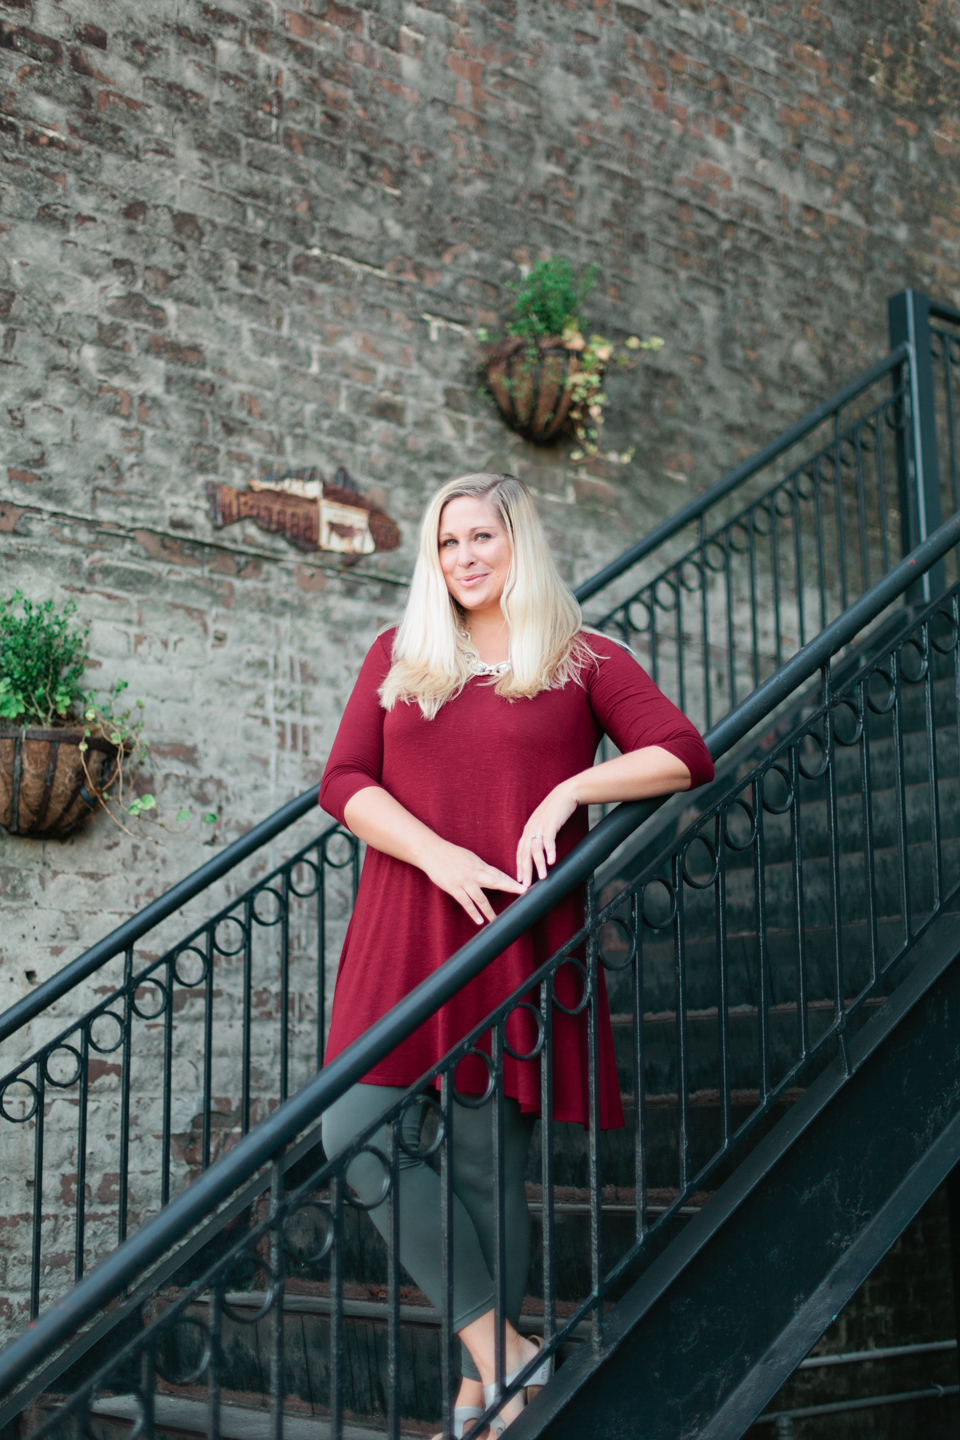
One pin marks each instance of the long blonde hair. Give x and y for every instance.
(432, 655)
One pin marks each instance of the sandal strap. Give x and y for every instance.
(463, 1417)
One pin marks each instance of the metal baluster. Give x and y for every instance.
(881, 491)
(833, 846)
(593, 1101)
(750, 526)
(654, 639)
(148, 1389)
(869, 858)
(705, 631)
(167, 1101)
(862, 512)
(936, 853)
(639, 1074)
(731, 649)
(946, 341)
(207, 1050)
(499, 1206)
(680, 1000)
(393, 1285)
(723, 985)
(764, 978)
(796, 838)
(285, 986)
(681, 678)
(337, 1185)
(321, 953)
(124, 1175)
(41, 1089)
(82, 1101)
(547, 1216)
(215, 1364)
(821, 559)
(798, 560)
(246, 1059)
(277, 1326)
(900, 785)
(775, 570)
(838, 484)
(447, 1338)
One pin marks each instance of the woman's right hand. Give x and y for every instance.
(465, 877)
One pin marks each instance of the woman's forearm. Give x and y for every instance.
(638, 775)
(374, 816)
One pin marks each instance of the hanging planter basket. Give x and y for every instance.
(531, 383)
(45, 791)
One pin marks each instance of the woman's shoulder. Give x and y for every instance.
(606, 649)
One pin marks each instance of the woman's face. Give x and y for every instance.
(474, 553)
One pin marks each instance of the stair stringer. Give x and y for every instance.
(706, 1337)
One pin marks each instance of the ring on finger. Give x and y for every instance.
(536, 837)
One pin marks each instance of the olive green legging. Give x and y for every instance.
(472, 1171)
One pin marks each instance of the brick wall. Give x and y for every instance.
(238, 235)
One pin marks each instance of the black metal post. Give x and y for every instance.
(953, 1210)
(918, 463)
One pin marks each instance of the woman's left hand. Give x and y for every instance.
(538, 843)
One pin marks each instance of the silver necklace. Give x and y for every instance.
(481, 668)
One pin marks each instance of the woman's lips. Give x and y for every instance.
(473, 579)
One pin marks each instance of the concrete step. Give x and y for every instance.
(116, 1417)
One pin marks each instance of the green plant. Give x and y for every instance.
(42, 661)
(549, 298)
(546, 306)
(42, 664)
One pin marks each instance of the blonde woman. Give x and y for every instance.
(465, 761)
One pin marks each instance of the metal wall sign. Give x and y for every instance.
(310, 512)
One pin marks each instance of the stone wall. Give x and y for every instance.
(239, 236)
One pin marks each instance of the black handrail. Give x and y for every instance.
(132, 930)
(215, 1185)
(742, 472)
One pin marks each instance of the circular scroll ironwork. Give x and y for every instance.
(137, 1004)
(745, 808)
(192, 1376)
(651, 921)
(771, 806)
(418, 1151)
(185, 977)
(538, 1022)
(474, 1102)
(100, 1045)
(626, 928)
(584, 974)
(711, 849)
(326, 1243)
(63, 1081)
(5, 1097)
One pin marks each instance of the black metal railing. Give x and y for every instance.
(129, 1099)
(737, 927)
(178, 1055)
(739, 579)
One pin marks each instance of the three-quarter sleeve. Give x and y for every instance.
(356, 759)
(634, 712)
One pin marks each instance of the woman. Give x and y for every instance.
(465, 761)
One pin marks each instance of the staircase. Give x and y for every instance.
(779, 951)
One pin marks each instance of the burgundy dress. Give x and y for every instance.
(474, 774)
